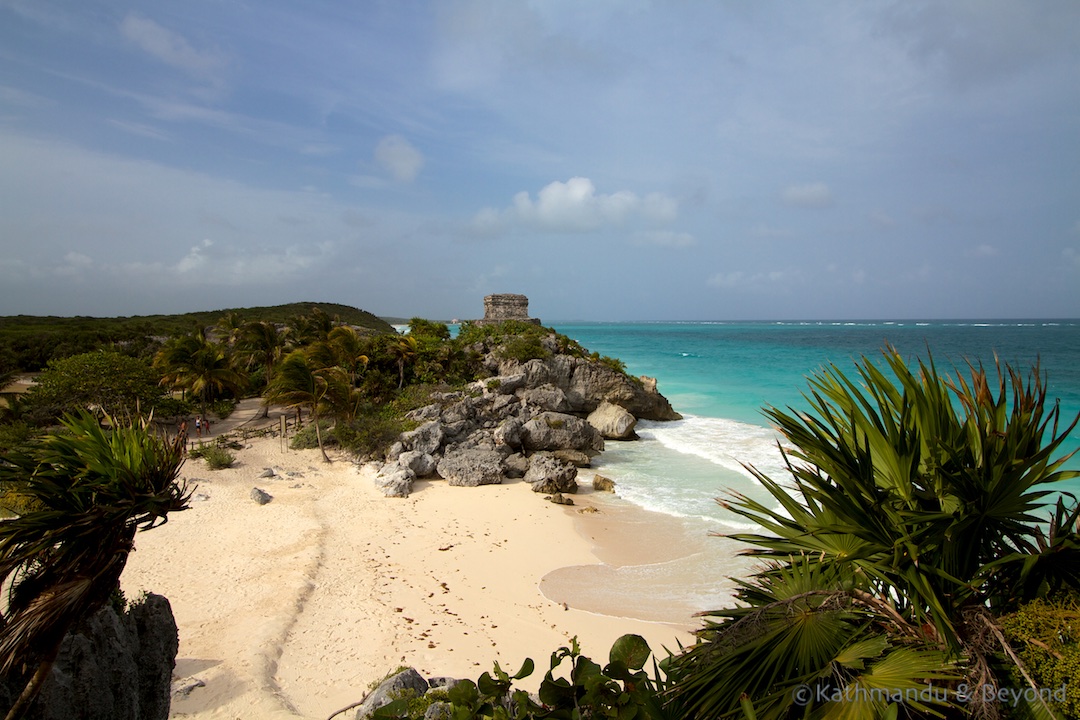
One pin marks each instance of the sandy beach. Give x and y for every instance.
(291, 609)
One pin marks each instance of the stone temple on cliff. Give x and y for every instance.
(498, 308)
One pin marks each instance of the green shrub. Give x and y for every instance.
(306, 438)
(621, 689)
(223, 408)
(1046, 634)
(216, 456)
(523, 348)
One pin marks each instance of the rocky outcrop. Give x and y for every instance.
(559, 431)
(548, 474)
(390, 689)
(613, 421)
(497, 427)
(471, 467)
(113, 667)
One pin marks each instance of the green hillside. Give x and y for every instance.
(28, 342)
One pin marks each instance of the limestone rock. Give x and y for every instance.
(260, 496)
(395, 480)
(390, 688)
(421, 464)
(471, 467)
(558, 431)
(574, 457)
(603, 484)
(548, 474)
(112, 668)
(425, 439)
(515, 465)
(508, 433)
(613, 421)
(560, 499)
(546, 397)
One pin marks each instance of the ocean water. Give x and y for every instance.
(720, 375)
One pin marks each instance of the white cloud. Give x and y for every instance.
(761, 230)
(399, 158)
(576, 206)
(810, 195)
(727, 280)
(170, 47)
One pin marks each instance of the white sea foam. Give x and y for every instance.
(728, 443)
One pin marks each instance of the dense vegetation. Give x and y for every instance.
(27, 343)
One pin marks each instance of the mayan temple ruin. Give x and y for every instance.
(498, 308)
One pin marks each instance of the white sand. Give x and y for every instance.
(292, 608)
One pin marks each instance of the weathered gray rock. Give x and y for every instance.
(421, 464)
(111, 668)
(501, 384)
(260, 496)
(425, 439)
(388, 689)
(428, 412)
(558, 431)
(471, 467)
(574, 457)
(559, 499)
(439, 710)
(267, 473)
(508, 433)
(546, 397)
(395, 480)
(548, 474)
(613, 421)
(516, 465)
(603, 484)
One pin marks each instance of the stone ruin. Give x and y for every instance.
(498, 308)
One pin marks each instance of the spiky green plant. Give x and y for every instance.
(92, 488)
(909, 524)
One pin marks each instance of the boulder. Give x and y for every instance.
(471, 467)
(613, 421)
(508, 433)
(425, 439)
(546, 397)
(389, 689)
(260, 496)
(559, 499)
(548, 474)
(558, 431)
(516, 465)
(574, 457)
(603, 484)
(113, 667)
(395, 480)
(421, 464)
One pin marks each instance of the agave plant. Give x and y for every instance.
(909, 524)
(93, 489)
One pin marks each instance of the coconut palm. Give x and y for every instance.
(260, 343)
(93, 489)
(193, 362)
(909, 526)
(301, 382)
(403, 350)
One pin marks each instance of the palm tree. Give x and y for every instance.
(909, 527)
(347, 346)
(260, 343)
(192, 362)
(403, 350)
(231, 326)
(300, 382)
(94, 489)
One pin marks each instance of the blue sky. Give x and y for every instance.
(611, 159)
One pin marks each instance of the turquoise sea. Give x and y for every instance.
(720, 374)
